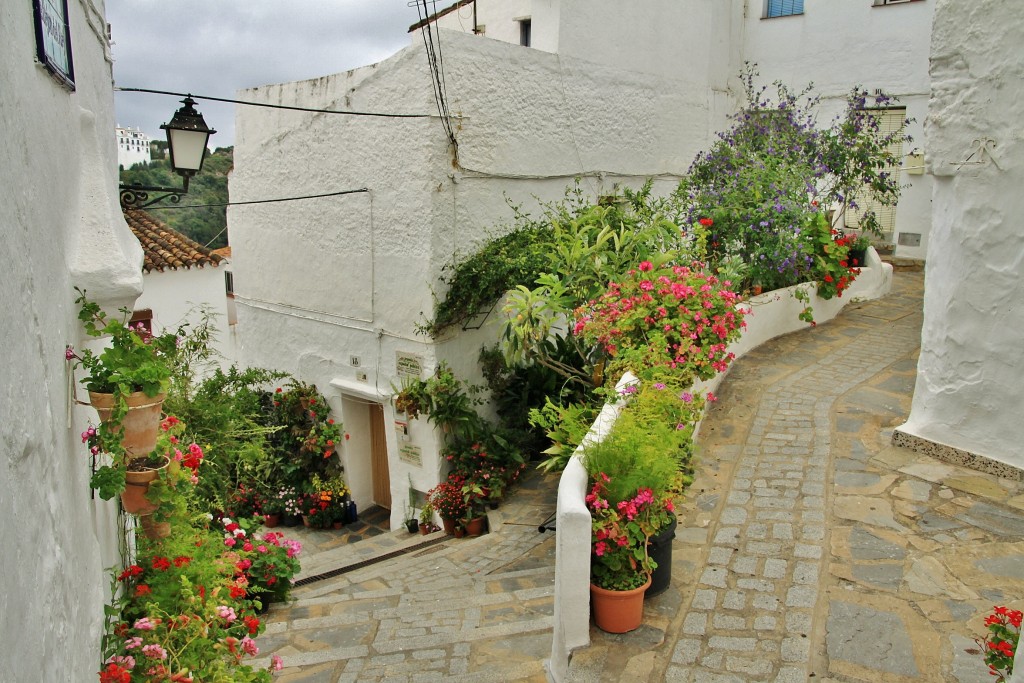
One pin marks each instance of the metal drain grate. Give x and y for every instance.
(366, 563)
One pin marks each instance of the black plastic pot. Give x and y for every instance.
(412, 525)
(660, 550)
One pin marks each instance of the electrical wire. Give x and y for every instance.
(259, 201)
(274, 106)
(435, 63)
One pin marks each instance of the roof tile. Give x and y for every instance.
(166, 248)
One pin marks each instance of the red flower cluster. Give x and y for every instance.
(1000, 644)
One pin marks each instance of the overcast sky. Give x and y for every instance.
(215, 47)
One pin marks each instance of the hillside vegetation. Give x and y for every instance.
(208, 225)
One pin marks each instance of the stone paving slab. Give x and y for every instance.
(469, 610)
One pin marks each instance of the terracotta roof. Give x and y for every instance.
(223, 252)
(166, 248)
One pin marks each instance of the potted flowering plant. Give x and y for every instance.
(268, 563)
(283, 502)
(447, 500)
(474, 497)
(999, 646)
(621, 566)
(126, 383)
(326, 505)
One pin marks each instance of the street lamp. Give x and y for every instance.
(187, 135)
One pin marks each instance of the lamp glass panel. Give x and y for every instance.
(187, 148)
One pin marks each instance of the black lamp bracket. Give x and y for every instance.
(137, 196)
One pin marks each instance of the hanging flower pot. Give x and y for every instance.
(137, 481)
(140, 425)
(618, 611)
(154, 530)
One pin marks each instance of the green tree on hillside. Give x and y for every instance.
(206, 226)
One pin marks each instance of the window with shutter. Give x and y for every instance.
(783, 8)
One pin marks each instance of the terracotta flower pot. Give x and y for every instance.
(154, 530)
(142, 423)
(459, 532)
(618, 611)
(271, 521)
(449, 525)
(133, 498)
(475, 526)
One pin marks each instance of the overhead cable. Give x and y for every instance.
(260, 201)
(275, 106)
(435, 63)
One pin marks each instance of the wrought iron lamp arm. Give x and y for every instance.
(136, 196)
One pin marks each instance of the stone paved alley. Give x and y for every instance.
(809, 548)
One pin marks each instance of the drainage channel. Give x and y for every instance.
(366, 563)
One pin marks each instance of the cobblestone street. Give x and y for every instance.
(810, 548)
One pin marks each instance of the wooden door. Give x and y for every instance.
(379, 457)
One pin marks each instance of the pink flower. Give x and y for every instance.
(249, 646)
(646, 266)
(133, 643)
(275, 663)
(225, 612)
(144, 624)
(229, 542)
(127, 661)
(261, 548)
(600, 548)
(69, 353)
(154, 651)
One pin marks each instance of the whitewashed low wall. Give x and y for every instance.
(768, 316)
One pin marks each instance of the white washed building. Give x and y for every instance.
(331, 289)
(132, 147)
(62, 228)
(182, 279)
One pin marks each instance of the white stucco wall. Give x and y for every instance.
(177, 296)
(62, 227)
(971, 367)
(837, 45)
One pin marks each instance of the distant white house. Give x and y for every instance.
(331, 289)
(181, 279)
(132, 147)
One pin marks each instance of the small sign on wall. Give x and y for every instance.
(53, 40)
(408, 365)
(411, 454)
